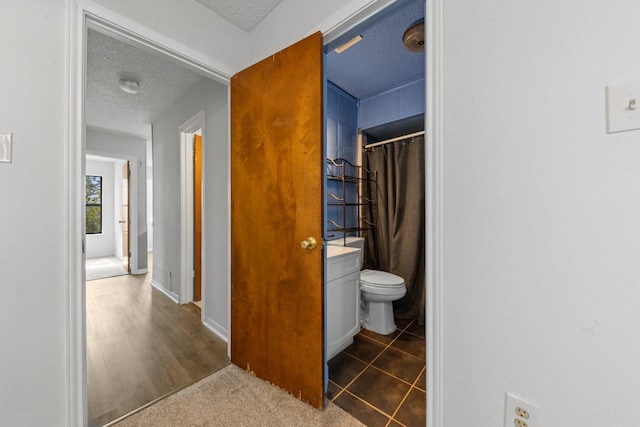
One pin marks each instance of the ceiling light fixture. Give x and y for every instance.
(413, 37)
(129, 86)
(348, 44)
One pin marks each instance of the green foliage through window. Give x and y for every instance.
(94, 204)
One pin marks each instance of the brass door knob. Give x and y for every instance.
(310, 243)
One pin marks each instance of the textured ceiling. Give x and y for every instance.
(245, 14)
(377, 63)
(380, 61)
(108, 107)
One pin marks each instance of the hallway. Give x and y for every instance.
(142, 346)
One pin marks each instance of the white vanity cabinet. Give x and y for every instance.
(343, 297)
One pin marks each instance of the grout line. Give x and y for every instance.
(407, 395)
(419, 375)
(415, 335)
(337, 394)
(368, 404)
(387, 345)
(400, 404)
(359, 373)
(409, 324)
(395, 421)
(392, 341)
(366, 365)
(370, 364)
(420, 387)
(393, 376)
(409, 354)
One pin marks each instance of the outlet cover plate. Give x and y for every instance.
(519, 410)
(6, 142)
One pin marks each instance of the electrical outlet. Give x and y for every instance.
(520, 413)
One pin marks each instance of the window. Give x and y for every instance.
(94, 204)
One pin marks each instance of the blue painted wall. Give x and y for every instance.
(342, 136)
(345, 114)
(407, 100)
(342, 123)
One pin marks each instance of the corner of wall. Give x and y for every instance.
(216, 328)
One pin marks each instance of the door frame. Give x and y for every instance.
(187, 213)
(83, 14)
(126, 249)
(434, 209)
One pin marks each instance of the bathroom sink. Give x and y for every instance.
(337, 251)
(342, 261)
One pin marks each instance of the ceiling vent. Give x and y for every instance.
(413, 37)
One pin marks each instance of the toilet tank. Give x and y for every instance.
(352, 242)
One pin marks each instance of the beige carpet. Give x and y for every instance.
(233, 397)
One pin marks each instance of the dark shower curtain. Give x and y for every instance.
(396, 242)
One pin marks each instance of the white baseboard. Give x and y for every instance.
(210, 324)
(215, 327)
(141, 271)
(159, 287)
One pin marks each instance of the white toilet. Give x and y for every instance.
(377, 291)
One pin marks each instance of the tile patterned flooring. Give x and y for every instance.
(380, 379)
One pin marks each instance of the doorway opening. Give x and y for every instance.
(191, 149)
(132, 358)
(107, 217)
(375, 112)
(81, 15)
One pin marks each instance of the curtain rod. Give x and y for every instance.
(399, 138)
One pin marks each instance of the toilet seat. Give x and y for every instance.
(380, 278)
(381, 282)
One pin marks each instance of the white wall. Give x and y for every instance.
(34, 359)
(106, 143)
(33, 348)
(541, 253)
(201, 31)
(103, 244)
(542, 238)
(212, 98)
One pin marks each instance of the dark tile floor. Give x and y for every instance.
(380, 379)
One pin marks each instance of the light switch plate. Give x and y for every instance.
(623, 106)
(6, 140)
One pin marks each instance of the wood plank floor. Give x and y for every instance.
(142, 346)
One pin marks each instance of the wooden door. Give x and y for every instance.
(277, 287)
(197, 229)
(125, 218)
